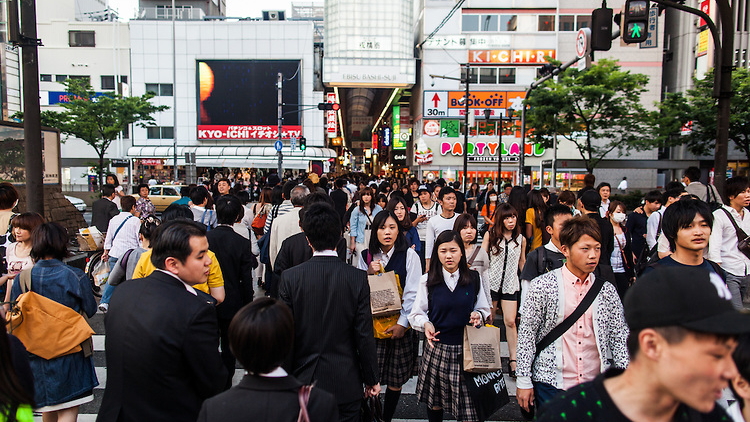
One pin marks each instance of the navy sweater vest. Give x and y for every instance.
(450, 311)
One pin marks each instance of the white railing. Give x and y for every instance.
(164, 13)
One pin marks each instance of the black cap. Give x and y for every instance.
(691, 298)
(591, 200)
(423, 188)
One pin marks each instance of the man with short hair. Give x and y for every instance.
(122, 235)
(222, 188)
(605, 190)
(655, 220)
(691, 179)
(505, 194)
(725, 236)
(330, 300)
(281, 209)
(340, 197)
(591, 201)
(413, 196)
(162, 344)
(637, 224)
(184, 196)
(104, 208)
(441, 222)
(199, 197)
(460, 197)
(683, 330)
(593, 343)
(288, 224)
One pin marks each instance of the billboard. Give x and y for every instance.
(238, 99)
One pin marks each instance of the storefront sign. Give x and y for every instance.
(459, 42)
(374, 140)
(399, 159)
(396, 123)
(489, 149)
(432, 127)
(705, 8)
(400, 122)
(331, 122)
(491, 159)
(510, 56)
(449, 104)
(248, 132)
(369, 44)
(702, 43)
(386, 138)
(57, 97)
(152, 162)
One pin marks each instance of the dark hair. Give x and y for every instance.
(446, 190)
(265, 196)
(435, 272)
(507, 185)
(680, 215)
(228, 209)
(464, 220)
(224, 179)
(49, 240)
(175, 212)
(127, 203)
(382, 198)
(377, 223)
(261, 335)
(314, 198)
(741, 356)
(693, 174)
(589, 180)
(566, 197)
(8, 196)
(142, 185)
(537, 203)
(502, 212)
(148, 226)
(517, 198)
(108, 190)
(185, 191)
(173, 240)
(199, 195)
(575, 228)
(27, 221)
(366, 191)
(277, 195)
(613, 206)
(243, 196)
(322, 226)
(735, 185)
(287, 189)
(674, 192)
(555, 210)
(603, 185)
(653, 196)
(340, 183)
(413, 180)
(12, 391)
(591, 200)
(405, 224)
(114, 179)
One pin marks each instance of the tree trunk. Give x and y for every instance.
(102, 179)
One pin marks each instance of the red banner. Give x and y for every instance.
(248, 132)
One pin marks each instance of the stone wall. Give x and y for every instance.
(56, 208)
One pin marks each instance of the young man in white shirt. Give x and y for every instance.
(199, 198)
(442, 222)
(653, 226)
(723, 244)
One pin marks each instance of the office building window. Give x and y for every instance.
(160, 90)
(488, 23)
(82, 78)
(567, 23)
(108, 82)
(583, 21)
(167, 132)
(546, 22)
(45, 78)
(473, 74)
(160, 132)
(488, 75)
(508, 22)
(61, 78)
(81, 39)
(123, 79)
(470, 23)
(126, 132)
(506, 75)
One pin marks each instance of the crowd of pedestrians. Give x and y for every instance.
(609, 313)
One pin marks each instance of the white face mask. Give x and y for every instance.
(618, 217)
(493, 198)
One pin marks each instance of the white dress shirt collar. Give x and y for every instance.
(276, 373)
(551, 247)
(188, 287)
(451, 279)
(326, 252)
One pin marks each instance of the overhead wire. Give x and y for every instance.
(444, 21)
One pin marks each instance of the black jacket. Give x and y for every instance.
(162, 352)
(237, 261)
(296, 250)
(608, 236)
(261, 399)
(333, 339)
(102, 210)
(636, 226)
(340, 199)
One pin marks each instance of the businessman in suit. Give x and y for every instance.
(236, 260)
(330, 301)
(162, 337)
(104, 208)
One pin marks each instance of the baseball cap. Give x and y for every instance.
(591, 199)
(423, 188)
(691, 298)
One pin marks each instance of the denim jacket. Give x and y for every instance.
(61, 379)
(359, 221)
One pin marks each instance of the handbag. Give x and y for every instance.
(743, 242)
(370, 410)
(486, 225)
(259, 223)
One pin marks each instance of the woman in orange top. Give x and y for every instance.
(535, 220)
(488, 209)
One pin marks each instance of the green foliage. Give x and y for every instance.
(598, 109)
(632, 199)
(699, 106)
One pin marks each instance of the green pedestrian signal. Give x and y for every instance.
(635, 21)
(636, 29)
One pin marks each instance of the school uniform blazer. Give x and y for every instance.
(333, 339)
(261, 399)
(162, 350)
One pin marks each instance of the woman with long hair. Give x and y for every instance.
(398, 206)
(472, 195)
(622, 258)
(397, 355)
(506, 248)
(111, 179)
(535, 232)
(18, 253)
(476, 256)
(361, 220)
(489, 208)
(449, 297)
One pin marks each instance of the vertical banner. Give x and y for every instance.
(331, 122)
(400, 121)
(374, 140)
(396, 126)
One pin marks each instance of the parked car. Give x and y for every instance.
(162, 195)
(77, 202)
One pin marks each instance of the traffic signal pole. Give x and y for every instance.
(279, 83)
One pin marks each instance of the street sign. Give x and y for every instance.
(583, 49)
(435, 103)
(293, 143)
(278, 145)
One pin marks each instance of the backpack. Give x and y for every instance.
(711, 198)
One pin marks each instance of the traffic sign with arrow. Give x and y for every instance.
(435, 103)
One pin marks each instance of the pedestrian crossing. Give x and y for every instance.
(409, 409)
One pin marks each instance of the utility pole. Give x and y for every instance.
(174, 91)
(32, 126)
(279, 82)
(725, 94)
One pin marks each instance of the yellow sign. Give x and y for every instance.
(702, 43)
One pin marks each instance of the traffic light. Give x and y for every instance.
(303, 142)
(328, 106)
(601, 29)
(635, 21)
(545, 70)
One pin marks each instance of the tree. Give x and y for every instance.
(597, 109)
(699, 106)
(98, 119)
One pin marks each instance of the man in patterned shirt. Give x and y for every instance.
(683, 330)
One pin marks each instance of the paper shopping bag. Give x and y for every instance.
(385, 294)
(481, 349)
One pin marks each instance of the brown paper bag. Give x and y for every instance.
(481, 349)
(385, 296)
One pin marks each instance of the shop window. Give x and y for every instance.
(488, 23)
(108, 82)
(81, 39)
(470, 23)
(567, 23)
(45, 78)
(583, 21)
(488, 75)
(506, 75)
(508, 22)
(61, 78)
(546, 23)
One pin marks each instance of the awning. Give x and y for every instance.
(228, 156)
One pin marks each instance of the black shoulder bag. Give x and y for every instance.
(743, 241)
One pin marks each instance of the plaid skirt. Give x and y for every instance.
(441, 382)
(397, 358)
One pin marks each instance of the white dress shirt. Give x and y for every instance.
(326, 252)
(127, 238)
(603, 208)
(418, 316)
(722, 245)
(413, 274)
(652, 226)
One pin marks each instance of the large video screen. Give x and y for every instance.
(238, 99)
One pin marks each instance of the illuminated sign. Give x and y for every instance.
(489, 149)
(510, 56)
(487, 100)
(331, 122)
(386, 138)
(432, 127)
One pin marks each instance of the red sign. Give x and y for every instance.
(431, 127)
(248, 132)
(510, 56)
(374, 140)
(151, 162)
(331, 122)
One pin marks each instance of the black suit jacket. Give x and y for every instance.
(102, 210)
(333, 340)
(162, 352)
(261, 399)
(237, 261)
(608, 236)
(296, 250)
(340, 199)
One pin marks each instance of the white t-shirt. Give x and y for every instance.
(419, 209)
